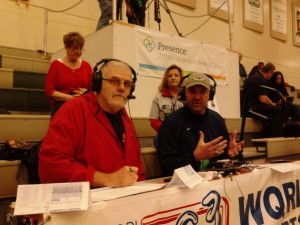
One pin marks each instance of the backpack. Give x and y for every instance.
(31, 161)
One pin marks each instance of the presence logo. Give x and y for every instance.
(213, 209)
(149, 43)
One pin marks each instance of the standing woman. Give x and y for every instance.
(166, 100)
(70, 76)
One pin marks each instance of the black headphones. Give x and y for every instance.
(212, 90)
(97, 76)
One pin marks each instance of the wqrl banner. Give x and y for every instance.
(276, 204)
(261, 197)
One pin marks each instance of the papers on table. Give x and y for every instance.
(45, 198)
(104, 194)
(185, 177)
(283, 167)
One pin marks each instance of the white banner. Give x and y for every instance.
(261, 197)
(157, 51)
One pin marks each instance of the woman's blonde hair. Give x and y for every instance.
(164, 82)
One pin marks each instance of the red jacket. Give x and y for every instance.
(80, 140)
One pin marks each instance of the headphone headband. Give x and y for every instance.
(212, 90)
(97, 76)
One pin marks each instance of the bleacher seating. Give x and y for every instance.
(22, 79)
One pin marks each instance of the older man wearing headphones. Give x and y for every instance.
(91, 138)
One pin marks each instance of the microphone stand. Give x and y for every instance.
(169, 12)
(157, 17)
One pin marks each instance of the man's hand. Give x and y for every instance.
(210, 149)
(126, 176)
(79, 92)
(234, 147)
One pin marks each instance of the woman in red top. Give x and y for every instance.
(70, 76)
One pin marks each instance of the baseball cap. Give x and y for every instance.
(197, 79)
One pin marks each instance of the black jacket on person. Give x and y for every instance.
(179, 134)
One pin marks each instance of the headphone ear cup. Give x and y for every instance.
(97, 81)
(212, 92)
(182, 94)
(132, 88)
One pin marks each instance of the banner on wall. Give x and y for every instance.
(157, 51)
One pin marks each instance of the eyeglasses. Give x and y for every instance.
(115, 82)
(77, 49)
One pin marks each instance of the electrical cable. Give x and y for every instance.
(199, 16)
(51, 10)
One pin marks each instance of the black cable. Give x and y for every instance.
(51, 10)
(208, 14)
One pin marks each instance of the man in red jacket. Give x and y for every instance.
(92, 138)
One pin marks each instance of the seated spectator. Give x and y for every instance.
(256, 68)
(277, 82)
(243, 78)
(243, 73)
(166, 100)
(194, 133)
(91, 138)
(260, 103)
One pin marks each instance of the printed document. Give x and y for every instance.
(185, 177)
(45, 198)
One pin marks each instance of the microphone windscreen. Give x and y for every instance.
(131, 97)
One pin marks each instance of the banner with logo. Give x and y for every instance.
(261, 197)
(157, 51)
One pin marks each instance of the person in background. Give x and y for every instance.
(257, 68)
(106, 13)
(259, 102)
(277, 82)
(136, 11)
(166, 100)
(70, 76)
(242, 71)
(92, 138)
(194, 133)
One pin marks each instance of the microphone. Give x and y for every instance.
(130, 96)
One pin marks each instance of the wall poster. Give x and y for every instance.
(189, 3)
(278, 13)
(296, 24)
(253, 14)
(219, 9)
